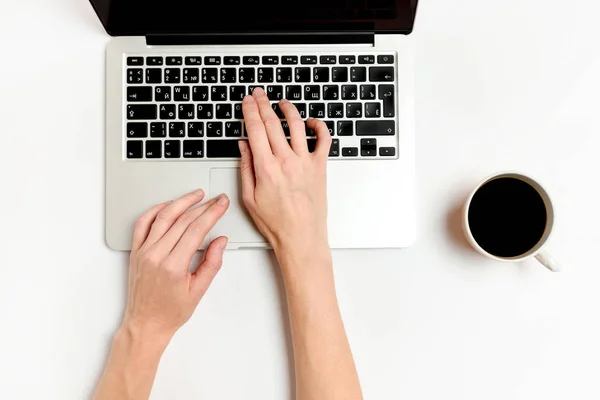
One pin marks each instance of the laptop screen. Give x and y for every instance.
(144, 17)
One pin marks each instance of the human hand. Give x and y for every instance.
(163, 293)
(284, 187)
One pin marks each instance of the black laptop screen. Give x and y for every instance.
(148, 17)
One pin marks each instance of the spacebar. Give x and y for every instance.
(375, 128)
(222, 149)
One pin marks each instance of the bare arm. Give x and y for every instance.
(163, 293)
(285, 190)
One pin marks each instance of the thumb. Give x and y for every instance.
(208, 269)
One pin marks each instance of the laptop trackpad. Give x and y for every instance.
(236, 224)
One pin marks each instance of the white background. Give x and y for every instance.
(501, 84)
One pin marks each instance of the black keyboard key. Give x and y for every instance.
(139, 93)
(224, 111)
(312, 92)
(181, 93)
(334, 150)
(328, 59)
(213, 60)
(372, 110)
(158, 129)
(237, 93)
(135, 61)
(387, 151)
(321, 74)
(153, 75)
(222, 149)
(232, 60)
(162, 93)
(265, 75)
(210, 75)
(284, 74)
(153, 149)
(238, 113)
(368, 147)
(218, 93)
(154, 61)
(345, 128)
(252, 87)
(308, 60)
(301, 109)
(368, 92)
(172, 149)
(350, 151)
(167, 111)
(193, 148)
(381, 74)
(316, 110)
(233, 129)
(247, 75)
(347, 59)
(312, 145)
(275, 92)
(366, 59)
(135, 149)
(174, 60)
(200, 93)
(309, 131)
(353, 110)
(228, 75)
(303, 74)
(375, 128)
(176, 129)
(135, 75)
(191, 75)
(330, 127)
(195, 129)
(270, 60)
(187, 111)
(289, 60)
(141, 111)
(349, 92)
(172, 75)
(277, 110)
(339, 74)
(358, 74)
(335, 110)
(385, 59)
(293, 93)
(331, 92)
(137, 130)
(204, 111)
(286, 128)
(214, 129)
(251, 60)
(193, 61)
(386, 93)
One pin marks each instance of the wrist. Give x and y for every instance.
(142, 338)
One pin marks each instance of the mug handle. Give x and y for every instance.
(548, 261)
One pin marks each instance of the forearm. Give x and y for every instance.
(324, 364)
(131, 367)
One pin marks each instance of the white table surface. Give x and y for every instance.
(501, 84)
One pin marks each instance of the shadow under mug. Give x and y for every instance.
(536, 251)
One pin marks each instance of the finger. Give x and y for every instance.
(247, 172)
(255, 129)
(297, 127)
(143, 225)
(195, 233)
(323, 137)
(272, 123)
(167, 216)
(169, 240)
(208, 269)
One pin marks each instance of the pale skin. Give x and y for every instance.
(284, 188)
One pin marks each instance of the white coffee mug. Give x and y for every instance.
(538, 250)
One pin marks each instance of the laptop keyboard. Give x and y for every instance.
(189, 107)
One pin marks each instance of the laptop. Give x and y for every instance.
(176, 74)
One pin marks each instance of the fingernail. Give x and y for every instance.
(223, 244)
(169, 202)
(199, 192)
(283, 101)
(223, 200)
(243, 146)
(248, 99)
(258, 92)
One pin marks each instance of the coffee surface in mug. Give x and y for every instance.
(507, 217)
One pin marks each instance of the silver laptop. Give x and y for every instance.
(177, 72)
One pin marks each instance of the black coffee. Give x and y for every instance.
(507, 217)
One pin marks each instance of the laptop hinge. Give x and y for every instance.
(270, 38)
